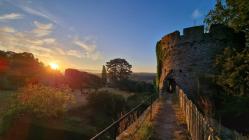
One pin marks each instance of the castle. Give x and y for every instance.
(183, 59)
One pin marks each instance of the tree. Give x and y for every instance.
(104, 75)
(219, 15)
(232, 76)
(232, 66)
(233, 73)
(18, 69)
(118, 69)
(233, 13)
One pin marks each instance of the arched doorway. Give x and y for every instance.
(169, 85)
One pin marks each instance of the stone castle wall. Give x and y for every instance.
(188, 56)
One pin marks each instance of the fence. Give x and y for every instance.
(117, 127)
(201, 127)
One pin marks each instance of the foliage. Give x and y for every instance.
(233, 74)
(145, 132)
(104, 75)
(106, 107)
(135, 86)
(7, 117)
(161, 56)
(219, 15)
(233, 111)
(16, 69)
(232, 66)
(118, 69)
(231, 101)
(159, 60)
(234, 13)
(135, 99)
(44, 101)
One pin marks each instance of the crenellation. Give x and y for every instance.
(193, 33)
(171, 39)
(197, 34)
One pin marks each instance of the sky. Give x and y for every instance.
(85, 34)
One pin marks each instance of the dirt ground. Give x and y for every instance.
(169, 123)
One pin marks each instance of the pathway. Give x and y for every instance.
(169, 123)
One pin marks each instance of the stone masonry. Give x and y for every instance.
(192, 54)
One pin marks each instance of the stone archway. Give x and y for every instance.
(169, 85)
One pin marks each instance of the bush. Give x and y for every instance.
(106, 103)
(44, 101)
(104, 107)
(8, 117)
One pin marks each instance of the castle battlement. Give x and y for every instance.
(186, 57)
(196, 34)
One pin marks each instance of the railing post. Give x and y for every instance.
(151, 107)
(115, 131)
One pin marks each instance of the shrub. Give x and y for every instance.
(135, 86)
(104, 107)
(107, 104)
(44, 101)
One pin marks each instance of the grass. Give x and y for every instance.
(125, 94)
(145, 132)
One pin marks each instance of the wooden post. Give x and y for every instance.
(151, 102)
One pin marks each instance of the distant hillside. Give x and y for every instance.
(147, 77)
(140, 76)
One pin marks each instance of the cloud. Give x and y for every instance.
(43, 26)
(196, 14)
(49, 40)
(44, 48)
(11, 16)
(88, 49)
(7, 29)
(11, 40)
(74, 53)
(42, 29)
(36, 12)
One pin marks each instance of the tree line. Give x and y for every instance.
(21, 69)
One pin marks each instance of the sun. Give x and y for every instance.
(54, 66)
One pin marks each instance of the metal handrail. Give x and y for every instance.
(116, 123)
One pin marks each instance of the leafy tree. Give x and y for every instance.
(219, 15)
(231, 102)
(118, 69)
(233, 64)
(233, 73)
(18, 69)
(104, 75)
(234, 13)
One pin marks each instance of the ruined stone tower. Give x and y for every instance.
(184, 58)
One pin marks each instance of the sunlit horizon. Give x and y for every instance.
(85, 39)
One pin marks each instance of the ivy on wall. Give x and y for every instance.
(161, 56)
